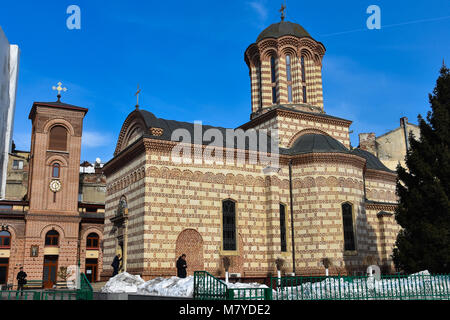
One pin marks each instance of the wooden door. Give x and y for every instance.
(91, 270)
(4, 265)
(50, 273)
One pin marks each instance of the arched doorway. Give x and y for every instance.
(92, 245)
(190, 242)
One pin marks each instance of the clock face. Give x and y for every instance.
(55, 185)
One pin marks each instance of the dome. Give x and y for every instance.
(283, 28)
(317, 143)
(372, 162)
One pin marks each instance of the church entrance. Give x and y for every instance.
(4, 264)
(50, 271)
(91, 270)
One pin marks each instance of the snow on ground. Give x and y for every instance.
(172, 287)
(415, 286)
(123, 283)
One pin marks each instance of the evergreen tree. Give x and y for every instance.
(423, 190)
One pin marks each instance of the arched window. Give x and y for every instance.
(303, 69)
(52, 238)
(283, 227)
(289, 77)
(58, 138)
(56, 170)
(92, 241)
(229, 225)
(274, 81)
(5, 240)
(349, 235)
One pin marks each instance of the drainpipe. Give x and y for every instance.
(292, 216)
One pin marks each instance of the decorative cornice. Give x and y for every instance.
(380, 175)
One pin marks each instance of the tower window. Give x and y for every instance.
(303, 68)
(274, 84)
(52, 238)
(56, 170)
(349, 235)
(283, 227)
(305, 100)
(289, 77)
(58, 138)
(229, 225)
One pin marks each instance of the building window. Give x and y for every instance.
(56, 170)
(283, 227)
(52, 238)
(58, 138)
(274, 83)
(229, 225)
(303, 68)
(289, 77)
(305, 97)
(17, 164)
(92, 241)
(349, 235)
(5, 240)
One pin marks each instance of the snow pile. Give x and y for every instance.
(172, 287)
(415, 286)
(169, 287)
(123, 283)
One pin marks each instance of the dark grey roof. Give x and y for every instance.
(315, 143)
(372, 161)
(289, 107)
(169, 127)
(283, 28)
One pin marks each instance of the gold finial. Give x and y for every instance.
(137, 96)
(59, 89)
(283, 11)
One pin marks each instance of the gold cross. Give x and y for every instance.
(137, 96)
(59, 89)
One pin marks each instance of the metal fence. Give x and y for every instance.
(387, 287)
(208, 287)
(85, 292)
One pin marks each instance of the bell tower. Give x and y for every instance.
(55, 157)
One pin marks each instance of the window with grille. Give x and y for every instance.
(58, 139)
(283, 227)
(349, 235)
(229, 225)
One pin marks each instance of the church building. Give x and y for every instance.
(323, 198)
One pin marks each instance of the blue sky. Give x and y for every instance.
(188, 57)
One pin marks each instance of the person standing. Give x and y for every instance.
(21, 280)
(116, 264)
(181, 266)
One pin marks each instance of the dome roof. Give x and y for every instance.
(372, 162)
(316, 143)
(283, 28)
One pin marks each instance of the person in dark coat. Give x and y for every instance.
(181, 266)
(116, 264)
(21, 280)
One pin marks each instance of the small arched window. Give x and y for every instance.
(52, 238)
(58, 139)
(56, 170)
(289, 77)
(349, 234)
(274, 79)
(303, 68)
(229, 225)
(5, 240)
(92, 241)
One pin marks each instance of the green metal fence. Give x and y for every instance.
(387, 287)
(208, 287)
(85, 292)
